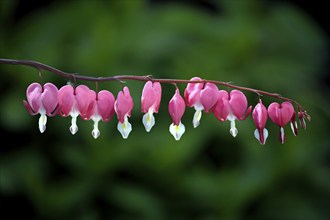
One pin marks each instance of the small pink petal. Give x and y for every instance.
(176, 107)
(124, 104)
(221, 109)
(33, 94)
(151, 96)
(105, 105)
(85, 99)
(49, 98)
(209, 96)
(280, 114)
(66, 99)
(260, 115)
(192, 92)
(238, 104)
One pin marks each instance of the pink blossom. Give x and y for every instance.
(150, 101)
(123, 107)
(103, 110)
(75, 102)
(201, 97)
(192, 99)
(259, 115)
(176, 109)
(231, 107)
(281, 114)
(42, 100)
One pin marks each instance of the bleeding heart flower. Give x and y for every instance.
(150, 101)
(231, 107)
(192, 98)
(74, 102)
(42, 100)
(259, 115)
(176, 109)
(103, 109)
(123, 107)
(200, 97)
(281, 114)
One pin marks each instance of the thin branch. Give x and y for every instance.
(121, 78)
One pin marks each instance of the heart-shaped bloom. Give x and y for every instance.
(150, 101)
(281, 114)
(259, 115)
(176, 108)
(192, 98)
(231, 107)
(74, 102)
(103, 110)
(42, 100)
(123, 107)
(201, 97)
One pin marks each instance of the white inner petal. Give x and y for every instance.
(197, 118)
(96, 131)
(148, 120)
(256, 135)
(74, 128)
(293, 126)
(265, 134)
(282, 135)
(124, 128)
(233, 130)
(42, 122)
(177, 130)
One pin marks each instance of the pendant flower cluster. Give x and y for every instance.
(232, 106)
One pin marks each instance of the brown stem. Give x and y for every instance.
(121, 78)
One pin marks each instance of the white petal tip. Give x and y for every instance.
(42, 123)
(148, 121)
(265, 136)
(73, 129)
(96, 133)
(197, 118)
(177, 130)
(124, 128)
(233, 132)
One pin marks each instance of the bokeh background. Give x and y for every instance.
(270, 45)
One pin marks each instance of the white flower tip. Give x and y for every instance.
(42, 123)
(124, 128)
(177, 130)
(233, 130)
(257, 136)
(197, 118)
(73, 128)
(148, 121)
(96, 133)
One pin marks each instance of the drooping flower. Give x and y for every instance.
(192, 98)
(42, 100)
(103, 110)
(201, 97)
(293, 124)
(281, 115)
(259, 115)
(231, 107)
(209, 96)
(301, 116)
(74, 102)
(150, 101)
(176, 108)
(123, 107)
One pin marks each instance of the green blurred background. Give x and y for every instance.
(269, 45)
